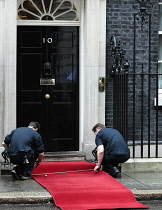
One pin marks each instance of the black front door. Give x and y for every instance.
(47, 84)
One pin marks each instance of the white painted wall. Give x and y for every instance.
(2, 12)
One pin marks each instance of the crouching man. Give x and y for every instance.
(25, 149)
(111, 149)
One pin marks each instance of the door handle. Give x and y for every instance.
(47, 96)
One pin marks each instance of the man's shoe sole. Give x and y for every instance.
(25, 178)
(14, 175)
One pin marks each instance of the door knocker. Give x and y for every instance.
(47, 68)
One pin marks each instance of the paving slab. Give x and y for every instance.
(145, 186)
(142, 180)
(28, 191)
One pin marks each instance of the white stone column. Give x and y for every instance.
(92, 56)
(10, 28)
(102, 60)
(2, 6)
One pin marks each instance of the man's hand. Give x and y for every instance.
(39, 160)
(6, 146)
(97, 168)
(36, 164)
(100, 155)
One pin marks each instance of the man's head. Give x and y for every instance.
(98, 127)
(34, 125)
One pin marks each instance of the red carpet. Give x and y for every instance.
(75, 186)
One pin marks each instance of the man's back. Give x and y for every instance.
(21, 140)
(113, 142)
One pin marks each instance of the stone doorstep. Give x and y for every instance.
(5, 169)
(142, 165)
(50, 156)
(64, 156)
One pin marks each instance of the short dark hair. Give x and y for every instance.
(35, 125)
(98, 126)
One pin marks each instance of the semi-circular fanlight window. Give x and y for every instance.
(55, 10)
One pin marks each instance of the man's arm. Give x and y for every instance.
(7, 140)
(40, 158)
(6, 146)
(100, 155)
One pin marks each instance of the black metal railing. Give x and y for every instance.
(137, 111)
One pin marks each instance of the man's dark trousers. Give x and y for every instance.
(24, 162)
(111, 161)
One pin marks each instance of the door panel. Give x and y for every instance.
(31, 39)
(48, 54)
(30, 71)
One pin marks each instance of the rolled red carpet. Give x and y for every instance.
(75, 186)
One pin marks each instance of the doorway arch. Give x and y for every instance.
(60, 10)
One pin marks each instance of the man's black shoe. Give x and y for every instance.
(14, 175)
(115, 172)
(25, 176)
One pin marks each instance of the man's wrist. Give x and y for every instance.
(99, 166)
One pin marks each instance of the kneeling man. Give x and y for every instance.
(111, 149)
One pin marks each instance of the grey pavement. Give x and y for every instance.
(144, 185)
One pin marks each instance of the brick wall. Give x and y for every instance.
(141, 46)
